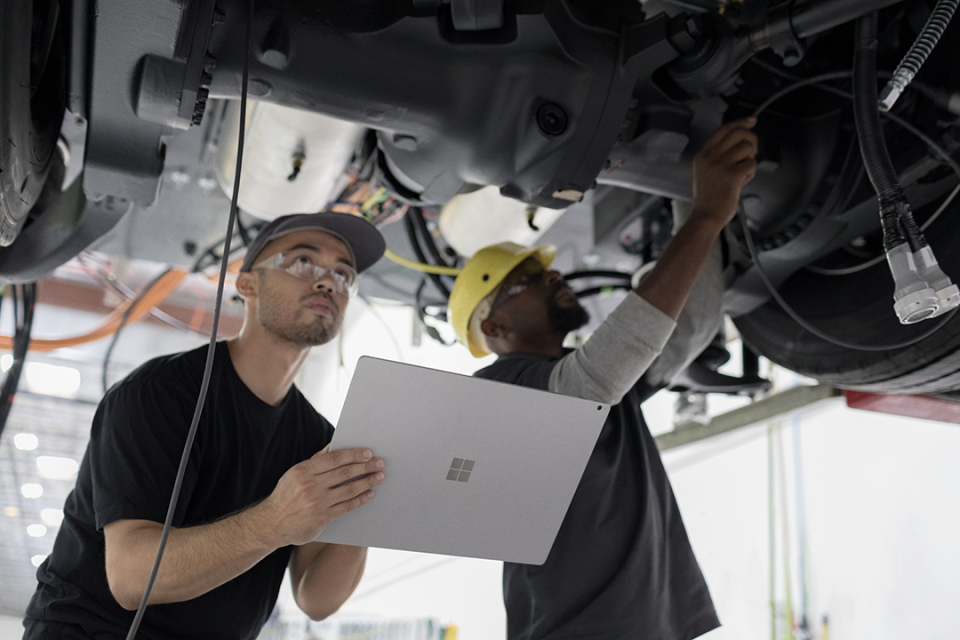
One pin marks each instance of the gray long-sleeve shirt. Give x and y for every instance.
(638, 340)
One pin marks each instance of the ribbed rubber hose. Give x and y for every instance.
(922, 47)
(894, 207)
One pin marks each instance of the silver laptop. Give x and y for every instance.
(473, 467)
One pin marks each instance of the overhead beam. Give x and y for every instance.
(763, 410)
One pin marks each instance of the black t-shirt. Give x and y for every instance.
(242, 447)
(621, 566)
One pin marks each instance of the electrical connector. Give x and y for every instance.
(948, 294)
(914, 299)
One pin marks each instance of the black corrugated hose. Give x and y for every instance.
(895, 216)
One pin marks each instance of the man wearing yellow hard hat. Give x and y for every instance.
(621, 565)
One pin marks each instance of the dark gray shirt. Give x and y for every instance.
(621, 565)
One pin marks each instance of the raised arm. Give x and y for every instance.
(198, 559)
(702, 315)
(629, 341)
(721, 168)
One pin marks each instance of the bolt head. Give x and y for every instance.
(552, 119)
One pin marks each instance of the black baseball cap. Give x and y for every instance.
(362, 239)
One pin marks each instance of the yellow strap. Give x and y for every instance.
(419, 266)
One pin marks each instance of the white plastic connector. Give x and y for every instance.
(948, 294)
(913, 299)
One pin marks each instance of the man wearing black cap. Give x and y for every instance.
(260, 485)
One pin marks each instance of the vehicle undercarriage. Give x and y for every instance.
(451, 122)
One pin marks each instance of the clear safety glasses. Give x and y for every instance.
(302, 265)
(529, 272)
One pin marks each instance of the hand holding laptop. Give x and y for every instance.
(478, 468)
(314, 493)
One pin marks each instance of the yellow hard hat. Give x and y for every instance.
(480, 277)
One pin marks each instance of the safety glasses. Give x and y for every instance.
(302, 265)
(526, 274)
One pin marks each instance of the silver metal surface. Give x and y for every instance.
(528, 447)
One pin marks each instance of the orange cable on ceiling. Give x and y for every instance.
(162, 288)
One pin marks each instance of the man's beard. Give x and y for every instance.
(319, 330)
(564, 320)
(303, 335)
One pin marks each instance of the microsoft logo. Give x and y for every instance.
(460, 469)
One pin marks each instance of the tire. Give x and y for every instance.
(858, 308)
(32, 103)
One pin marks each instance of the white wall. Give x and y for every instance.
(880, 495)
(10, 628)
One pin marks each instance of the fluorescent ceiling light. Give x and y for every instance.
(25, 441)
(36, 531)
(52, 517)
(31, 490)
(11, 511)
(57, 468)
(52, 379)
(37, 560)
(47, 379)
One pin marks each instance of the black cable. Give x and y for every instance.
(597, 273)
(410, 226)
(937, 96)
(806, 325)
(208, 367)
(592, 291)
(123, 322)
(428, 240)
(817, 83)
(848, 181)
(24, 301)
(880, 258)
(422, 315)
(895, 218)
(927, 140)
(244, 233)
(211, 252)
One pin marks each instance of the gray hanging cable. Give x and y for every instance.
(208, 366)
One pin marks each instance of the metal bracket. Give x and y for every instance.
(173, 91)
